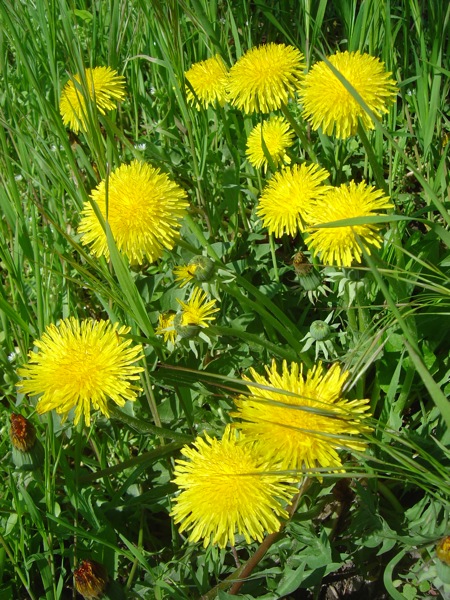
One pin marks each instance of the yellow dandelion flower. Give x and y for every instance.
(79, 363)
(166, 327)
(226, 489)
(144, 212)
(329, 105)
(307, 425)
(277, 137)
(339, 245)
(265, 77)
(184, 274)
(104, 86)
(208, 79)
(197, 310)
(286, 199)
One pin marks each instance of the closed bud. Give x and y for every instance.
(22, 433)
(27, 451)
(320, 330)
(308, 278)
(91, 579)
(202, 268)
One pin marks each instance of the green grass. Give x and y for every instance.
(105, 492)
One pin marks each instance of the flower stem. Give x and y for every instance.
(238, 577)
(306, 144)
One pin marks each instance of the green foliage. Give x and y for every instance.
(105, 492)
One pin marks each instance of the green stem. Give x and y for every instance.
(274, 258)
(237, 579)
(146, 457)
(16, 568)
(144, 427)
(252, 338)
(306, 144)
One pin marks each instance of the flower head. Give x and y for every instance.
(166, 327)
(301, 420)
(103, 85)
(329, 105)
(286, 199)
(339, 245)
(79, 363)
(143, 208)
(264, 77)
(277, 137)
(208, 79)
(197, 310)
(227, 488)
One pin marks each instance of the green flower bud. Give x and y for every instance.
(186, 331)
(202, 268)
(308, 278)
(320, 330)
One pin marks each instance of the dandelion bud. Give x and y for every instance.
(27, 451)
(309, 279)
(320, 330)
(443, 550)
(202, 268)
(185, 330)
(91, 579)
(22, 433)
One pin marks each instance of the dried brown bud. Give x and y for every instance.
(301, 264)
(22, 433)
(91, 579)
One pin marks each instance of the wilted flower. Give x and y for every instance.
(22, 433)
(91, 579)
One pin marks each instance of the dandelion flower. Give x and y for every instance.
(301, 420)
(197, 310)
(208, 79)
(79, 363)
(166, 327)
(329, 105)
(286, 199)
(277, 137)
(339, 245)
(265, 77)
(104, 86)
(143, 208)
(226, 489)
